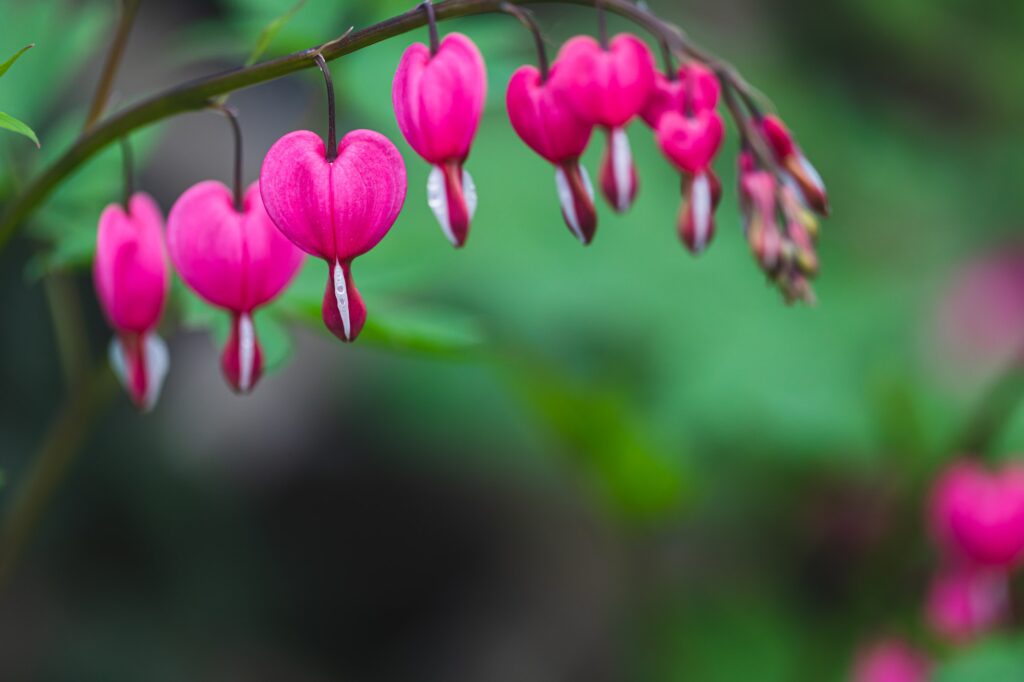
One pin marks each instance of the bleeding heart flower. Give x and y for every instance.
(235, 258)
(696, 225)
(336, 209)
(438, 102)
(545, 122)
(789, 155)
(691, 143)
(695, 89)
(890, 660)
(131, 278)
(978, 514)
(966, 601)
(609, 88)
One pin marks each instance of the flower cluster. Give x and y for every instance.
(239, 249)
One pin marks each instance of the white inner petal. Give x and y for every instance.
(622, 166)
(437, 199)
(469, 193)
(118, 362)
(246, 352)
(158, 362)
(341, 296)
(565, 196)
(700, 204)
(812, 174)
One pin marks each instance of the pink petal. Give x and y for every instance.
(237, 261)
(690, 143)
(130, 268)
(543, 119)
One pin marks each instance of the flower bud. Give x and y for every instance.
(789, 155)
(336, 209)
(131, 278)
(966, 601)
(235, 258)
(438, 102)
(697, 215)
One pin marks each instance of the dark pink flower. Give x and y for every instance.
(978, 514)
(695, 89)
(438, 102)
(890, 660)
(545, 122)
(791, 158)
(335, 209)
(966, 601)
(609, 88)
(234, 259)
(131, 278)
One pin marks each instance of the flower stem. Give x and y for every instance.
(129, 8)
(435, 38)
(128, 167)
(527, 19)
(332, 119)
(238, 189)
(995, 408)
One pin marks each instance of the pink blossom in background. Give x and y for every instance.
(890, 660)
(131, 277)
(966, 601)
(335, 209)
(234, 259)
(438, 101)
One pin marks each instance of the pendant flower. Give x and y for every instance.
(609, 87)
(131, 278)
(438, 100)
(335, 207)
(694, 89)
(235, 258)
(789, 155)
(550, 127)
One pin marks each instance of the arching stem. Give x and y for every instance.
(332, 132)
(527, 19)
(238, 190)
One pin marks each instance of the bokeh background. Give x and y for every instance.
(542, 462)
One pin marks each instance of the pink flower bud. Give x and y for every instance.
(545, 122)
(130, 274)
(695, 89)
(236, 260)
(438, 103)
(335, 209)
(965, 601)
(978, 514)
(609, 88)
(697, 215)
(789, 155)
(890, 660)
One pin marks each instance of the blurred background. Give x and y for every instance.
(541, 462)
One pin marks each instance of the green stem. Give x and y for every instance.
(49, 466)
(129, 8)
(993, 412)
(197, 94)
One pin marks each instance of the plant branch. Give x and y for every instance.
(129, 8)
(197, 94)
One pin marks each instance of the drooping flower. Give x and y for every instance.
(978, 514)
(551, 128)
(335, 208)
(131, 278)
(235, 258)
(691, 143)
(789, 155)
(890, 660)
(695, 88)
(966, 601)
(609, 87)
(438, 102)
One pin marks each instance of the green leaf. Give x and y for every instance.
(14, 125)
(271, 30)
(6, 65)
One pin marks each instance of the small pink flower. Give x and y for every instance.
(757, 202)
(438, 102)
(978, 514)
(609, 88)
(234, 259)
(695, 89)
(966, 601)
(791, 157)
(335, 209)
(131, 278)
(552, 129)
(890, 660)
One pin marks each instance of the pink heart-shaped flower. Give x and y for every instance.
(690, 143)
(695, 89)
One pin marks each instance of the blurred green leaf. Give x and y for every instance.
(271, 30)
(6, 65)
(995, 660)
(14, 125)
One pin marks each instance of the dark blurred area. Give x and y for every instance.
(612, 464)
